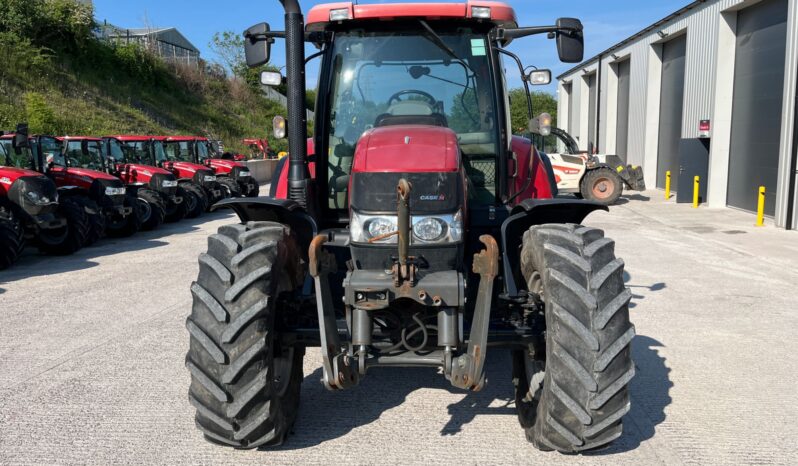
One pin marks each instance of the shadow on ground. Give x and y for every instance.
(326, 416)
(33, 264)
(636, 297)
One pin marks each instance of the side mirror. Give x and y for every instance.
(279, 127)
(539, 77)
(541, 125)
(257, 46)
(20, 137)
(271, 78)
(570, 40)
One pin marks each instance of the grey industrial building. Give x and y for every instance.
(167, 43)
(709, 91)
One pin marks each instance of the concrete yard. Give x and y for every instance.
(92, 349)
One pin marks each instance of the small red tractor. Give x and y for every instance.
(29, 205)
(259, 149)
(233, 175)
(195, 150)
(76, 166)
(414, 231)
(157, 191)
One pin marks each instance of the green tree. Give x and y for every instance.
(541, 102)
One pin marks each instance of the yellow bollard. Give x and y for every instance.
(668, 184)
(696, 186)
(760, 209)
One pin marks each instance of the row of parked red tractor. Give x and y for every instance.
(63, 193)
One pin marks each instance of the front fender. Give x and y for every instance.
(267, 209)
(527, 214)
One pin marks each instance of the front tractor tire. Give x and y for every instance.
(602, 185)
(572, 395)
(195, 200)
(72, 237)
(176, 212)
(230, 187)
(12, 239)
(150, 210)
(130, 224)
(97, 225)
(245, 381)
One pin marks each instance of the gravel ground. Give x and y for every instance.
(92, 348)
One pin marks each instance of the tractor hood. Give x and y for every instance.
(407, 149)
(90, 174)
(185, 169)
(145, 170)
(224, 165)
(8, 175)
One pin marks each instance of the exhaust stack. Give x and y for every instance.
(299, 183)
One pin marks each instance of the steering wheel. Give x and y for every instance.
(432, 101)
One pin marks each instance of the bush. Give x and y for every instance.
(40, 117)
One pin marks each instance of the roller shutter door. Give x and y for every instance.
(622, 130)
(757, 104)
(670, 111)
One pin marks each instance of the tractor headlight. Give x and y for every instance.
(209, 178)
(427, 229)
(243, 174)
(112, 191)
(39, 199)
(169, 183)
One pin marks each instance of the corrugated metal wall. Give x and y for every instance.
(701, 25)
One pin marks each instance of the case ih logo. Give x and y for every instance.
(432, 197)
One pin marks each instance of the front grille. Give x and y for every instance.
(97, 192)
(156, 183)
(39, 184)
(432, 192)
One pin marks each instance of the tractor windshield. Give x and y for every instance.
(179, 151)
(139, 151)
(389, 78)
(202, 150)
(115, 150)
(51, 151)
(19, 158)
(91, 159)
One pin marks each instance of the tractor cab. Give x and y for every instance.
(233, 174)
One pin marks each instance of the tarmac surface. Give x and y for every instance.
(92, 349)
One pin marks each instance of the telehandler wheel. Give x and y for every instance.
(245, 380)
(578, 401)
(12, 239)
(72, 237)
(230, 187)
(177, 212)
(128, 226)
(150, 209)
(195, 199)
(601, 185)
(96, 219)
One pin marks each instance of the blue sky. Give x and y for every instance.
(606, 22)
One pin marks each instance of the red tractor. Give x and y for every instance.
(76, 166)
(228, 168)
(427, 231)
(197, 182)
(157, 191)
(29, 206)
(259, 149)
(233, 175)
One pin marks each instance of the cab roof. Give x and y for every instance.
(79, 138)
(130, 138)
(179, 138)
(501, 14)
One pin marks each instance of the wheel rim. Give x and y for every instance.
(145, 210)
(603, 188)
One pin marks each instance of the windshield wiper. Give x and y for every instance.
(438, 41)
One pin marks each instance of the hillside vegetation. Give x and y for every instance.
(55, 75)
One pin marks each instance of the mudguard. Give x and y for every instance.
(532, 212)
(273, 210)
